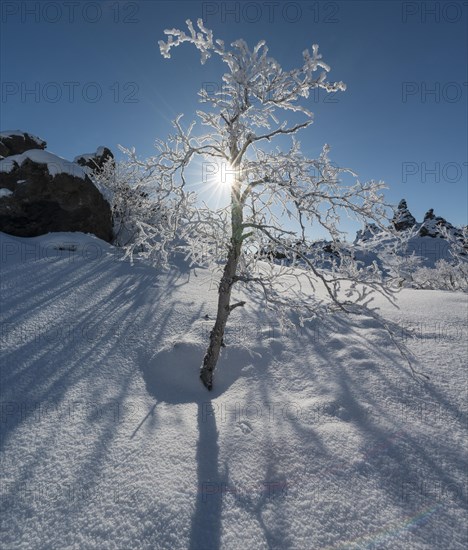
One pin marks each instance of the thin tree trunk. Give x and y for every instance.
(225, 286)
(224, 309)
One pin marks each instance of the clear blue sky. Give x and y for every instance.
(89, 75)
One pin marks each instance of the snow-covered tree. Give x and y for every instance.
(276, 194)
(443, 276)
(450, 273)
(146, 207)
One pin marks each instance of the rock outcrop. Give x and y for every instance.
(15, 142)
(95, 161)
(41, 192)
(403, 219)
(369, 232)
(436, 226)
(432, 239)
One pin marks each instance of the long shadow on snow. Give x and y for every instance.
(39, 372)
(402, 461)
(171, 376)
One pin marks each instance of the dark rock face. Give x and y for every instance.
(4, 151)
(329, 248)
(429, 215)
(95, 161)
(42, 202)
(403, 219)
(17, 142)
(436, 226)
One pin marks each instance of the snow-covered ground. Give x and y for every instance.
(314, 439)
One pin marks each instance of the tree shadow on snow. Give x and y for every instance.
(172, 376)
(71, 328)
(205, 529)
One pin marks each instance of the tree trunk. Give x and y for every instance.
(224, 309)
(225, 286)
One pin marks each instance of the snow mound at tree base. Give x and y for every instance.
(172, 374)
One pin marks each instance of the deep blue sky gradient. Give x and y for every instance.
(387, 125)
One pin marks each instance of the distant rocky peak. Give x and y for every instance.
(369, 232)
(402, 205)
(403, 219)
(429, 215)
(436, 226)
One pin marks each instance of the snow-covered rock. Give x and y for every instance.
(15, 142)
(369, 232)
(431, 240)
(55, 164)
(48, 193)
(406, 244)
(5, 193)
(94, 161)
(436, 226)
(403, 219)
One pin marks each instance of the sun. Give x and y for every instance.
(228, 175)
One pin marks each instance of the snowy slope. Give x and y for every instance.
(318, 439)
